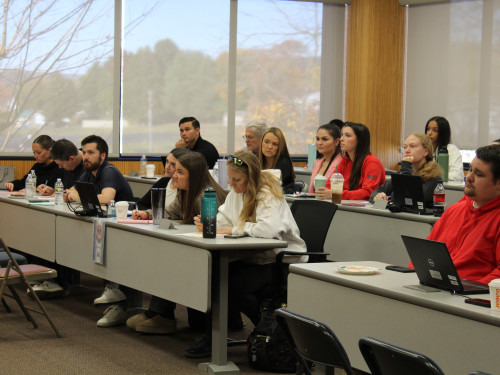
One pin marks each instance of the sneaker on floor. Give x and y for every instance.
(113, 316)
(202, 349)
(136, 319)
(111, 294)
(48, 289)
(158, 325)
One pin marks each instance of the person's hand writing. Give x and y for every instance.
(140, 215)
(45, 190)
(9, 186)
(380, 196)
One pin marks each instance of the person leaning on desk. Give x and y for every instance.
(417, 161)
(471, 227)
(256, 207)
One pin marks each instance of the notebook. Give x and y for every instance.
(89, 200)
(434, 267)
(408, 194)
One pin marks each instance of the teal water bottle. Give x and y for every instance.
(311, 156)
(444, 162)
(209, 213)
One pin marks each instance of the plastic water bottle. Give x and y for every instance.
(444, 162)
(59, 190)
(27, 186)
(311, 155)
(209, 213)
(143, 164)
(112, 209)
(439, 199)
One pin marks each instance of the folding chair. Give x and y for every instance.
(4, 260)
(15, 274)
(386, 359)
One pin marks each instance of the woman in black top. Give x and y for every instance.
(273, 154)
(46, 169)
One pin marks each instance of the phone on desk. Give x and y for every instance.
(400, 269)
(479, 301)
(235, 235)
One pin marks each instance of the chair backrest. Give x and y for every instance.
(313, 217)
(312, 340)
(386, 359)
(300, 186)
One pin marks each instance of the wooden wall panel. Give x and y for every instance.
(375, 73)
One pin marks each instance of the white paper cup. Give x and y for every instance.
(319, 182)
(150, 170)
(495, 294)
(121, 210)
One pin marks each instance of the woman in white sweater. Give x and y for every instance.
(438, 130)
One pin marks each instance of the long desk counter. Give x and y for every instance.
(189, 270)
(460, 337)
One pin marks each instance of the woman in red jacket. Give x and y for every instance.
(362, 171)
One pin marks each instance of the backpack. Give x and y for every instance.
(267, 347)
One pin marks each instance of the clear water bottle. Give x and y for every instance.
(59, 191)
(28, 187)
(439, 199)
(143, 164)
(112, 209)
(209, 213)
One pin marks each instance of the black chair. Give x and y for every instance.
(300, 186)
(312, 341)
(386, 359)
(313, 218)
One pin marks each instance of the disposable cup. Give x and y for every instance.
(150, 170)
(495, 294)
(158, 204)
(121, 209)
(319, 182)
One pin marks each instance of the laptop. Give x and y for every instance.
(434, 267)
(408, 194)
(89, 200)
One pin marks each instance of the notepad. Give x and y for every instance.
(129, 221)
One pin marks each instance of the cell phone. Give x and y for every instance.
(400, 269)
(479, 301)
(235, 235)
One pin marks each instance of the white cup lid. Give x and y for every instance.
(121, 203)
(495, 283)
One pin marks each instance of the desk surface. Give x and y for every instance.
(460, 337)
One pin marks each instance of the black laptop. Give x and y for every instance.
(89, 200)
(434, 267)
(408, 194)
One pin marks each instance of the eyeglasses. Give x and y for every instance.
(248, 137)
(236, 161)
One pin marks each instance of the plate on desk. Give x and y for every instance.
(357, 270)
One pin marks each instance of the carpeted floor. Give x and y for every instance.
(87, 349)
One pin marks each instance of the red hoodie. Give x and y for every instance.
(472, 237)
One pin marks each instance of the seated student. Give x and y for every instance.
(438, 130)
(273, 154)
(253, 135)
(45, 169)
(417, 161)
(189, 128)
(471, 227)
(328, 144)
(257, 207)
(165, 182)
(362, 171)
(191, 177)
(109, 184)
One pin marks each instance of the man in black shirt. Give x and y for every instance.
(189, 128)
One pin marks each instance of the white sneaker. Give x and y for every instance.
(113, 316)
(47, 289)
(111, 294)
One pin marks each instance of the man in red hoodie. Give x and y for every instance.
(471, 227)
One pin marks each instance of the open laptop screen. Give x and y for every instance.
(89, 200)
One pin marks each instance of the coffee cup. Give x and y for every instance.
(121, 210)
(495, 294)
(150, 170)
(337, 186)
(319, 182)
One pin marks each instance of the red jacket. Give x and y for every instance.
(372, 176)
(472, 237)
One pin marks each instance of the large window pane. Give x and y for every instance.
(278, 68)
(174, 65)
(55, 71)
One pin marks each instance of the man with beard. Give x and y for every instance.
(108, 181)
(189, 127)
(471, 227)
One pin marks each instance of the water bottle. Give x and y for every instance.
(209, 213)
(59, 190)
(143, 164)
(311, 156)
(444, 162)
(27, 187)
(112, 209)
(439, 199)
